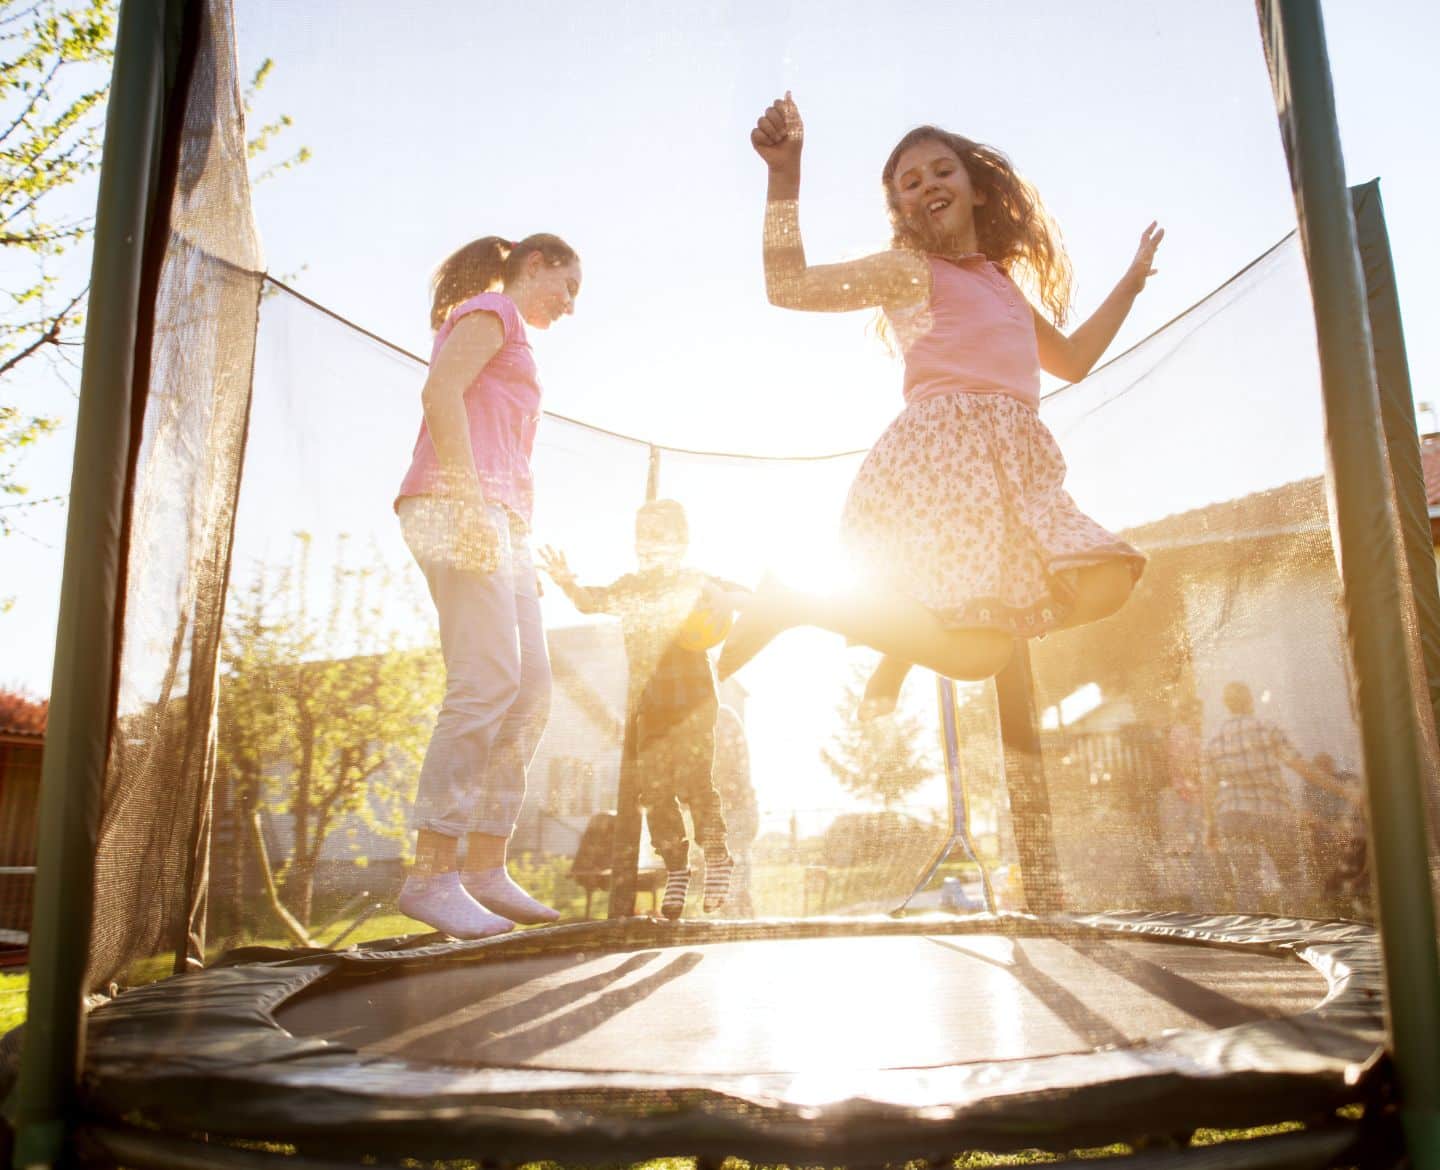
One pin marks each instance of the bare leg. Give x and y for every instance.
(434, 852)
(905, 630)
(1100, 591)
(485, 850)
(488, 882)
(896, 626)
(882, 692)
(432, 894)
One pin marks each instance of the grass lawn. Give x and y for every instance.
(13, 989)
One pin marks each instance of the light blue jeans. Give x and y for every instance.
(497, 678)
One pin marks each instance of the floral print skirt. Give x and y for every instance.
(961, 505)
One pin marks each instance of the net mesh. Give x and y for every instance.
(279, 684)
(150, 864)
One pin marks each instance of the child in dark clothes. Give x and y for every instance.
(672, 695)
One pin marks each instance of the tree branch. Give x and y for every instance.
(51, 336)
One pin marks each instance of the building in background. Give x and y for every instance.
(22, 746)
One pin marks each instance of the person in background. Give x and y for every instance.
(1339, 850)
(1182, 808)
(1253, 818)
(742, 812)
(672, 702)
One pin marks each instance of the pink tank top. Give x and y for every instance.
(503, 407)
(976, 335)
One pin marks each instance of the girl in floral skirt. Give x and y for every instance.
(958, 517)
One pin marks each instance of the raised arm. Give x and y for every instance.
(1316, 776)
(1075, 356)
(585, 598)
(885, 279)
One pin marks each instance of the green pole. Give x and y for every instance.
(1367, 547)
(1402, 435)
(82, 693)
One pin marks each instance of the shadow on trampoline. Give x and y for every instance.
(574, 1009)
(1214, 1009)
(1198, 1003)
(1088, 1026)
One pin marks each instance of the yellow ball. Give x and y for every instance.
(708, 624)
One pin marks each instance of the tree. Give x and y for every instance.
(882, 760)
(54, 61)
(323, 720)
(55, 58)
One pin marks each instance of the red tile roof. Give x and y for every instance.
(22, 716)
(1430, 462)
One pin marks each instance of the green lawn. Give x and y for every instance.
(13, 989)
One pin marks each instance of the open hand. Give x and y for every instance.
(552, 560)
(779, 134)
(1142, 268)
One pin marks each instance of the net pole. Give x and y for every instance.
(86, 646)
(1366, 546)
(959, 801)
(1402, 435)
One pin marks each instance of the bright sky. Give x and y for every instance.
(624, 128)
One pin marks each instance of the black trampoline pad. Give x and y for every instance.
(804, 1005)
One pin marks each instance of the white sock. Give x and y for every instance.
(495, 888)
(439, 900)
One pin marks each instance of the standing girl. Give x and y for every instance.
(958, 516)
(465, 509)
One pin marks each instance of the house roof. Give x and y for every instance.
(1288, 510)
(1430, 464)
(22, 717)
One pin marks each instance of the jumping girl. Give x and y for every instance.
(465, 510)
(958, 516)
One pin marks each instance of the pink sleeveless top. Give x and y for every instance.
(976, 335)
(503, 407)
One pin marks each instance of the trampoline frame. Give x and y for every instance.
(166, 1055)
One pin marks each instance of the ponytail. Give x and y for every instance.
(486, 264)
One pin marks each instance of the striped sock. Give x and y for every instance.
(677, 885)
(717, 881)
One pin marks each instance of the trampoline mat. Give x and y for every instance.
(805, 1004)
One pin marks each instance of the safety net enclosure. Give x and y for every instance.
(1152, 961)
(1019, 879)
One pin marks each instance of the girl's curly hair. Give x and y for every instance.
(1015, 231)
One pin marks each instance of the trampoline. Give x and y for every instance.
(830, 1040)
(1125, 981)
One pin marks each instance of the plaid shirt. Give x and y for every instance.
(1244, 758)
